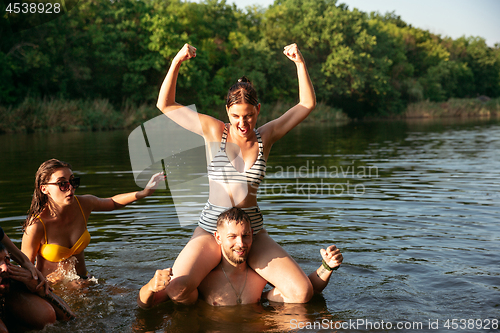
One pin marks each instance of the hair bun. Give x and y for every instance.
(244, 79)
(242, 92)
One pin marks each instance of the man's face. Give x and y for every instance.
(235, 240)
(4, 281)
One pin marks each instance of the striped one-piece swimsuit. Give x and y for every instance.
(221, 170)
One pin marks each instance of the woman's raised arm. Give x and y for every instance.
(307, 99)
(195, 122)
(166, 99)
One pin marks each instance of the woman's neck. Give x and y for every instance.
(56, 210)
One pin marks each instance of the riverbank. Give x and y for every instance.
(462, 108)
(59, 115)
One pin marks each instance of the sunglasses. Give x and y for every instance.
(64, 185)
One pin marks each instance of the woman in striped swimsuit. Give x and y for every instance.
(236, 168)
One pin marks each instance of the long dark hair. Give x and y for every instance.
(39, 200)
(242, 92)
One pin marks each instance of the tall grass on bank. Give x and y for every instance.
(268, 112)
(322, 113)
(56, 115)
(466, 107)
(60, 115)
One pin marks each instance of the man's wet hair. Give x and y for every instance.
(235, 214)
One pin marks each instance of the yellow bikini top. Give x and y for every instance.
(56, 253)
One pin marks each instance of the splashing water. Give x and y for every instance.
(66, 272)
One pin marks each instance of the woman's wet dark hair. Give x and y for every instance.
(242, 92)
(40, 200)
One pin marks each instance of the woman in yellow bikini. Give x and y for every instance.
(55, 230)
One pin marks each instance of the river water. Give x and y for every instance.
(413, 206)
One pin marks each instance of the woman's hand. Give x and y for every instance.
(25, 262)
(293, 53)
(153, 183)
(38, 276)
(23, 275)
(187, 52)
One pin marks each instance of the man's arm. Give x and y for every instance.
(154, 291)
(332, 258)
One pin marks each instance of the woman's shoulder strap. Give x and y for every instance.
(81, 210)
(43, 224)
(224, 137)
(259, 139)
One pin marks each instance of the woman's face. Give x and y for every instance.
(52, 188)
(243, 117)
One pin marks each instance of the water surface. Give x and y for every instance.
(414, 208)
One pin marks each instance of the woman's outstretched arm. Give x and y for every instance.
(123, 199)
(307, 99)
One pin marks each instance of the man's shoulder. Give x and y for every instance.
(255, 280)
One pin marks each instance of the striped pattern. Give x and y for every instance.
(210, 213)
(221, 169)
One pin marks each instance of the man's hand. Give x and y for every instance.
(332, 256)
(161, 280)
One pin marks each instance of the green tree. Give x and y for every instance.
(366, 64)
(340, 48)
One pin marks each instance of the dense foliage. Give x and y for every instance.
(366, 64)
